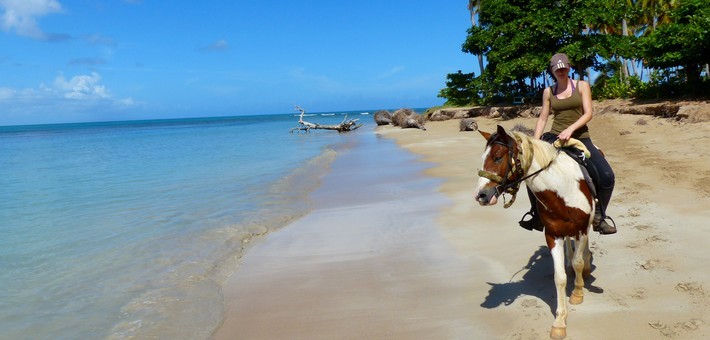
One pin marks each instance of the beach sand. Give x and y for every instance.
(414, 257)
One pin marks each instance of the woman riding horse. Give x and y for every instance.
(570, 102)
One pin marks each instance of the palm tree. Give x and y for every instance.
(474, 7)
(654, 13)
(657, 12)
(625, 32)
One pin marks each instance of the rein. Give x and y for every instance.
(515, 167)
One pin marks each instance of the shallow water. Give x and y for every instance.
(128, 229)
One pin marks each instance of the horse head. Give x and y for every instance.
(500, 170)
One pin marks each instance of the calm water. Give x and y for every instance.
(128, 228)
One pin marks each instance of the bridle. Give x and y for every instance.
(516, 169)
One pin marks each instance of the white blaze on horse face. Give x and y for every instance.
(562, 177)
(482, 181)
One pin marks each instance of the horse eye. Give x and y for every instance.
(497, 159)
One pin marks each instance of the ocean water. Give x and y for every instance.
(128, 229)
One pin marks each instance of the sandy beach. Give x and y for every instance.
(411, 256)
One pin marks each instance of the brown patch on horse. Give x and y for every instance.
(559, 219)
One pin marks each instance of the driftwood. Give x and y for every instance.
(522, 128)
(468, 124)
(383, 117)
(345, 125)
(407, 118)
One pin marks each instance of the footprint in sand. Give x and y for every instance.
(694, 289)
(642, 227)
(647, 241)
(530, 303)
(532, 308)
(596, 250)
(676, 330)
(633, 212)
(627, 194)
(648, 265)
(653, 264)
(618, 299)
(664, 329)
(639, 293)
(530, 334)
(692, 324)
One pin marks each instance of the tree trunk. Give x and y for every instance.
(692, 74)
(624, 67)
(473, 8)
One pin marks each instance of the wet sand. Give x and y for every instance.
(398, 255)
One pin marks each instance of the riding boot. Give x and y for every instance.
(534, 221)
(599, 223)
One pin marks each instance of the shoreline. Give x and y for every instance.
(470, 271)
(320, 276)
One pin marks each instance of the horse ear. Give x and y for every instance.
(485, 135)
(502, 133)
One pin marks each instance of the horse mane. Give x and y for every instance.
(542, 152)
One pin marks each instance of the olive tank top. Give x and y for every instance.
(566, 112)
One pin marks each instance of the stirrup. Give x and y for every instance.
(605, 228)
(532, 223)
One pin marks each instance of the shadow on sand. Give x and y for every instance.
(538, 281)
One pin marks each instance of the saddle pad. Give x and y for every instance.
(573, 143)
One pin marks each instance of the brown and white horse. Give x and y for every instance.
(565, 203)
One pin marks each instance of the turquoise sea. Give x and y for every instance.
(128, 229)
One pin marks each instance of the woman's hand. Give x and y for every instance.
(565, 135)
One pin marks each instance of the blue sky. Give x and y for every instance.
(97, 60)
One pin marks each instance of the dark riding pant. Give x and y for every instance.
(601, 173)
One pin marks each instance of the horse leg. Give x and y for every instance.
(579, 263)
(569, 251)
(587, 271)
(559, 326)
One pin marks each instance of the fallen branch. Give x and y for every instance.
(345, 125)
(407, 118)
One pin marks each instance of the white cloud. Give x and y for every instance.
(79, 98)
(6, 93)
(82, 87)
(390, 72)
(219, 45)
(21, 16)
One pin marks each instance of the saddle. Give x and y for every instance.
(579, 152)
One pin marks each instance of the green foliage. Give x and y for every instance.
(685, 42)
(615, 87)
(518, 37)
(460, 89)
(668, 83)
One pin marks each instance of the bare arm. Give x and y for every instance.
(586, 92)
(544, 113)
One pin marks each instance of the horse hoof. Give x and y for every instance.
(575, 299)
(558, 333)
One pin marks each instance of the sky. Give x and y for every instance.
(106, 60)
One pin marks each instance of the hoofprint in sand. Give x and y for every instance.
(648, 281)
